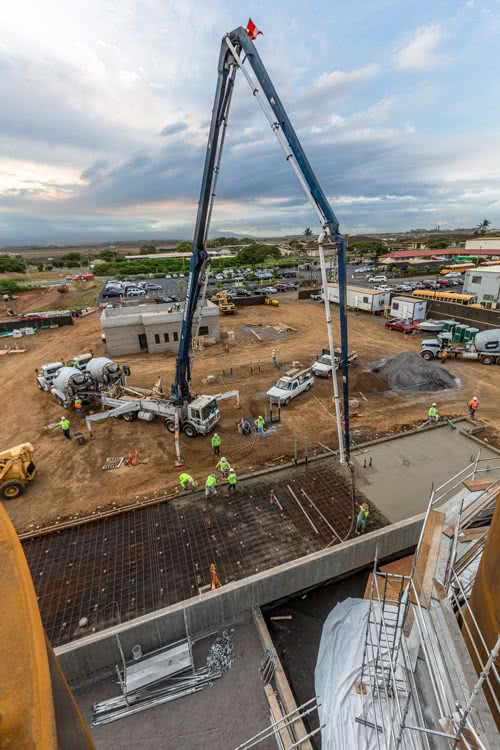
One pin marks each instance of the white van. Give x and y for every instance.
(377, 279)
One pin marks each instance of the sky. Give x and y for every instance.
(106, 108)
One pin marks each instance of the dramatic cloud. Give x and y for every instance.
(106, 107)
(421, 51)
(175, 128)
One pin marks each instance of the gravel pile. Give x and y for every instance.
(408, 371)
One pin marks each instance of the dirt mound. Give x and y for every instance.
(408, 371)
(368, 382)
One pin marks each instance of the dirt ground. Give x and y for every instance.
(71, 480)
(48, 298)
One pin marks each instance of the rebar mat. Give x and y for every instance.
(118, 568)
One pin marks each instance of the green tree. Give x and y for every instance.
(147, 249)
(255, 254)
(307, 232)
(439, 244)
(184, 247)
(483, 226)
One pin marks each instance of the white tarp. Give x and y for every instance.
(339, 663)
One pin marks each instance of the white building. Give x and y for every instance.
(408, 308)
(151, 328)
(361, 298)
(483, 243)
(484, 282)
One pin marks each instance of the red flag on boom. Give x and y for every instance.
(252, 30)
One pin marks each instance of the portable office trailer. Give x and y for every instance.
(361, 298)
(408, 308)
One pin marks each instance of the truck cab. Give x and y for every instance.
(322, 368)
(290, 385)
(46, 375)
(202, 416)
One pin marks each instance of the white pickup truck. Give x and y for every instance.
(290, 385)
(322, 368)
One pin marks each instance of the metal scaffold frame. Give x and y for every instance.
(401, 630)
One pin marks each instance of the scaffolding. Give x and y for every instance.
(411, 698)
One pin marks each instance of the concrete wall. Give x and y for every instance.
(471, 316)
(122, 327)
(95, 655)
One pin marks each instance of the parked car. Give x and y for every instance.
(317, 297)
(135, 292)
(405, 326)
(268, 290)
(453, 275)
(110, 293)
(377, 279)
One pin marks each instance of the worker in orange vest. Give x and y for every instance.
(473, 405)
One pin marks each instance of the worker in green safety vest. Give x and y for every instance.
(64, 425)
(186, 481)
(216, 441)
(432, 414)
(224, 466)
(211, 485)
(232, 480)
(259, 425)
(362, 519)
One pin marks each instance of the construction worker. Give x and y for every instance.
(232, 480)
(362, 519)
(473, 404)
(78, 407)
(216, 441)
(244, 427)
(432, 414)
(274, 358)
(63, 424)
(259, 425)
(224, 467)
(443, 356)
(186, 481)
(211, 485)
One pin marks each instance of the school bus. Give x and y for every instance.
(463, 299)
(457, 267)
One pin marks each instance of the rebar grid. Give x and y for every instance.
(122, 567)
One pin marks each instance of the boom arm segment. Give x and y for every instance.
(181, 388)
(235, 45)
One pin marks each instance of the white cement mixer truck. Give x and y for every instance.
(483, 347)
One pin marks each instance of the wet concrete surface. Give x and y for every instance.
(400, 479)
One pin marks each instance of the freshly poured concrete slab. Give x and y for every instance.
(403, 469)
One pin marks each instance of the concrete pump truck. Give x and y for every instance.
(184, 411)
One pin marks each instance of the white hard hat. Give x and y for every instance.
(434, 404)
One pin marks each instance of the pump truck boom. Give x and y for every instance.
(238, 48)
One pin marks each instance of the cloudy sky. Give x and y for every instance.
(105, 108)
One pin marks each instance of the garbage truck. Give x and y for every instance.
(482, 346)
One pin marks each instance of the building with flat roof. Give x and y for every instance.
(152, 328)
(484, 282)
(492, 250)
